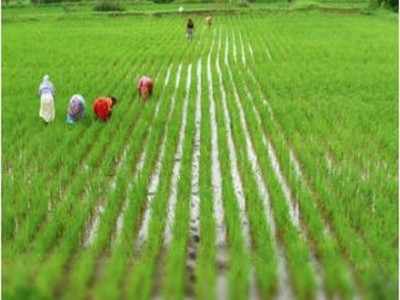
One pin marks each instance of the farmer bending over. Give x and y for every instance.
(145, 87)
(76, 109)
(190, 29)
(102, 107)
(46, 93)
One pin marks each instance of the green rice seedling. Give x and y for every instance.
(157, 214)
(86, 152)
(139, 280)
(206, 270)
(334, 204)
(335, 280)
(239, 256)
(174, 285)
(264, 256)
(77, 219)
(124, 248)
(88, 257)
(117, 264)
(341, 224)
(354, 191)
(105, 231)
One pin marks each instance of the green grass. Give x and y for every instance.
(321, 86)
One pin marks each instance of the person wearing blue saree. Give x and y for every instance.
(76, 109)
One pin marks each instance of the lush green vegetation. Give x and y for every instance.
(291, 118)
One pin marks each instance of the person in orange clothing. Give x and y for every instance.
(102, 107)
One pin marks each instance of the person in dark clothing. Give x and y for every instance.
(190, 29)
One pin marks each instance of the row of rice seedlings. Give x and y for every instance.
(242, 50)
(175, 270)
(277, 282)
(364, 249)
(58, 187)
(210, 279)
(139, 276)
(115, 221)
(287, 193)
(333, 264)
(262, 247)
(336, 277)
(364, 199)
(296, 249)
(291, 202)
(16, 65)
(221, 242)
(116, 190)
(194, 203)
(108, 285)
(51, 196)
(157, 256)
(94, 160)
(156, 176)
(139, 166)
(157, 263)
(24, 239)
(238, 259)
(63, 129)
(237, 180)
(337, 282)
(49, 139)
(182, 251)
(69, 75)
(340, 146)
(360, 255)
(59, 258)
(86, 266)
(177, 244)
(46, 240)
(19, 200)
(55, 162)
(173, 197)
(267, 284)
(326, 129)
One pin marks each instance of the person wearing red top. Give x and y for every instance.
(145, 87)
(102, 107)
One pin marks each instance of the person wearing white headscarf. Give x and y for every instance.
(76, 109)
(46, 93)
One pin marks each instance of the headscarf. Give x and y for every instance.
(46, 86)
(145, 83)
(76, 108)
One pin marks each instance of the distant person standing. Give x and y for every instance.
(190, 29)
(102, 107)
(209, 21)
(46, 93)
(145, 87)
(76, 109)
